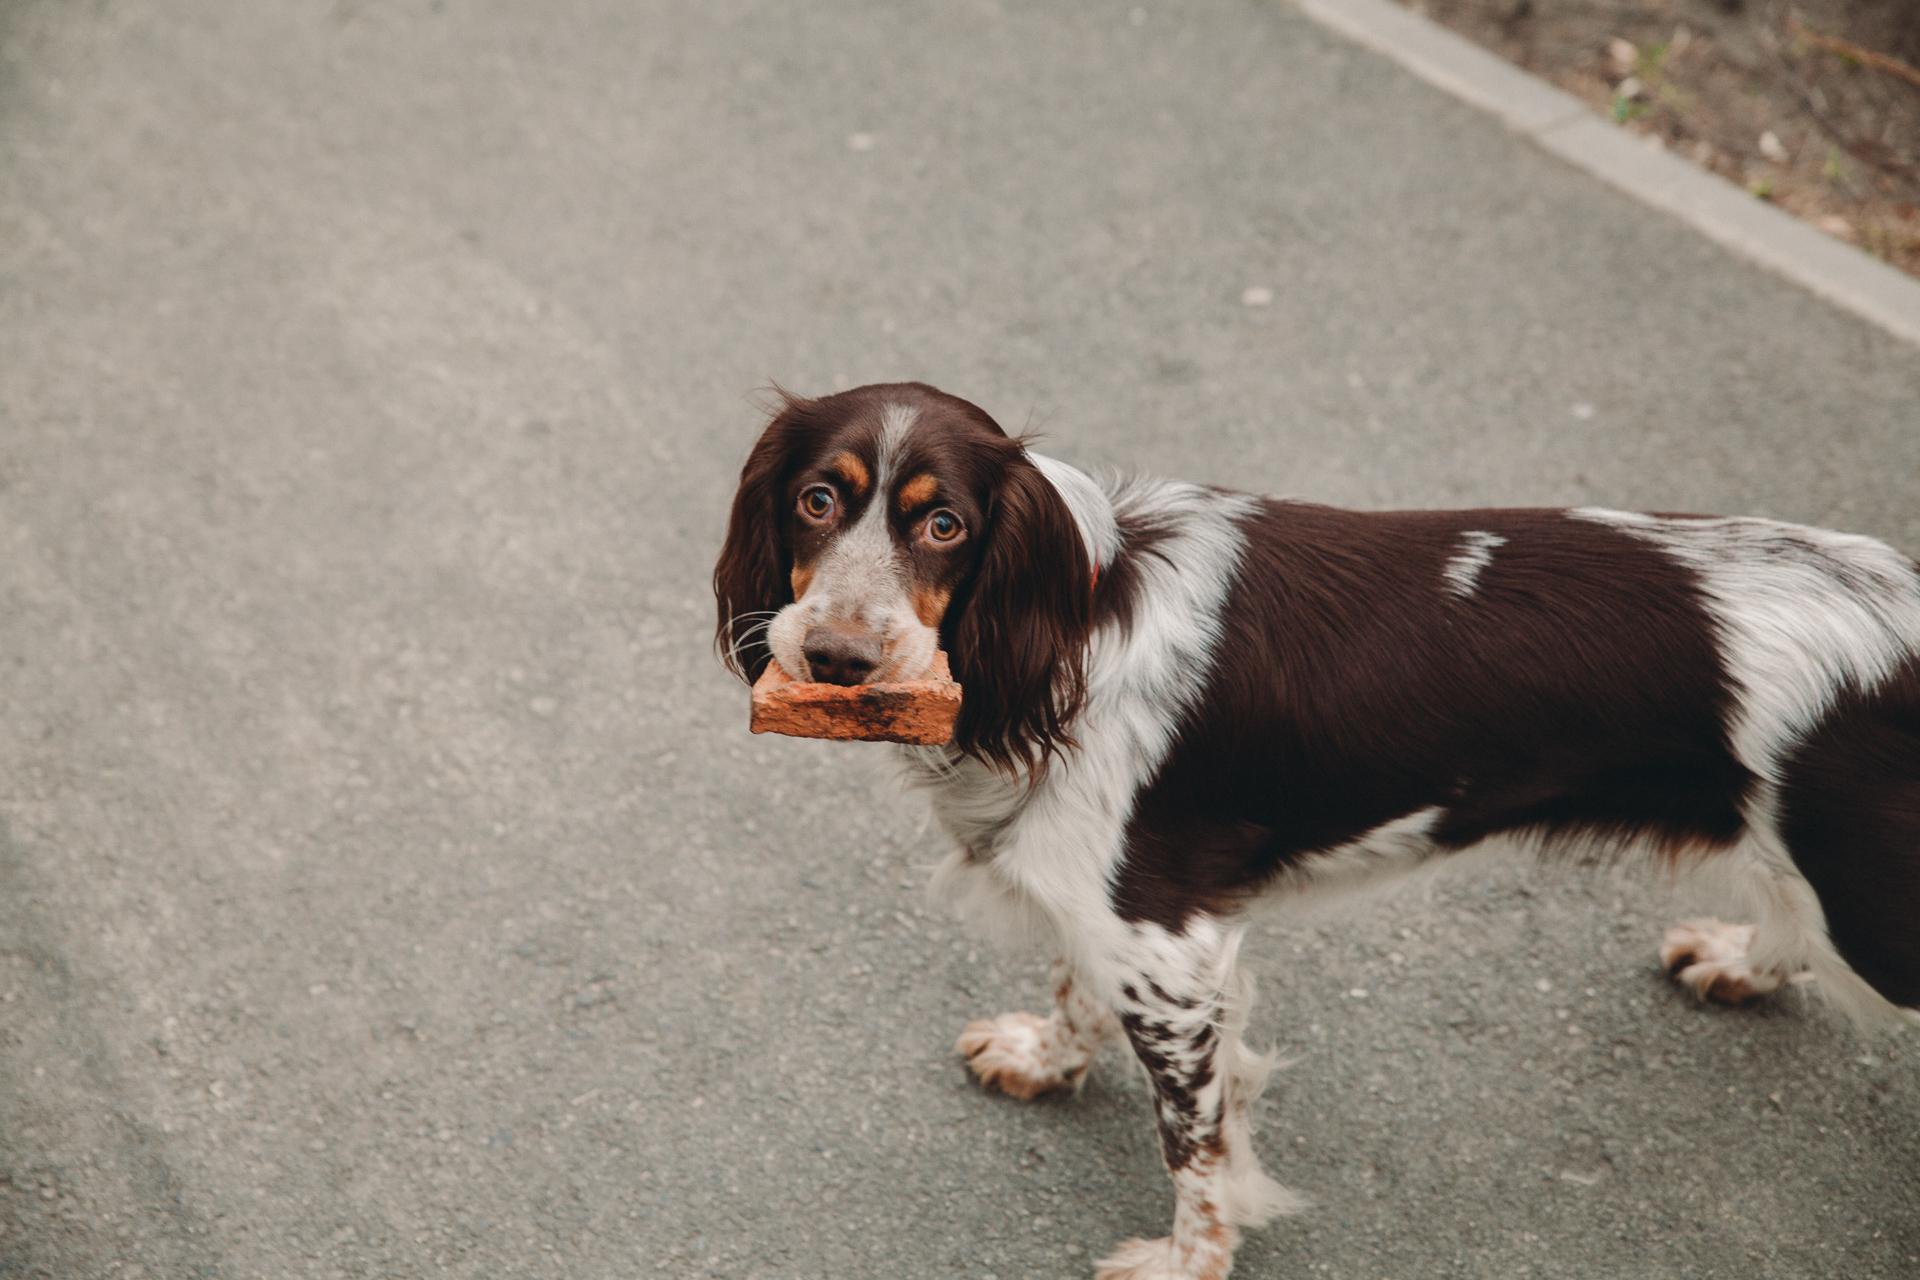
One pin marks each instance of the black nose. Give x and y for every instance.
(836, 655)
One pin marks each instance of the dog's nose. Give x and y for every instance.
(838, 655)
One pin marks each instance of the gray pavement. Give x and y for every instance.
(388, 884)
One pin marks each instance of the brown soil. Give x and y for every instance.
(1812, 104)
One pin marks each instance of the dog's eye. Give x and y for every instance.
(816, 503)
(944, 526)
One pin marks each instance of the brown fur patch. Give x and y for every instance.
(1213, 1228)
(801, 578)
(1579, 692)
(930, 604)
(851, 470)
(918, 491)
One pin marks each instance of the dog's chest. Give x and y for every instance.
(978, 807)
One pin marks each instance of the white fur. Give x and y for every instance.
(1389, 851)
(1252, 1197)
(896, 423)
(1088, 505)
(1801, 613)
(1463, 571)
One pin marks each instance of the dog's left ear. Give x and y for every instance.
(1018, 641)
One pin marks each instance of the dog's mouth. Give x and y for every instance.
(902, 669)
(904, 651)
(914, 656)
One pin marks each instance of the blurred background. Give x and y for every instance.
(389, 886)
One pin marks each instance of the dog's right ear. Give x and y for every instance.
(750, 580)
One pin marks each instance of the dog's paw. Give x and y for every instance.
(1162, 1260)
(1017, 1053)
(1709, 958)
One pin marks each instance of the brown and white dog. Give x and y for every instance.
(1180, 701)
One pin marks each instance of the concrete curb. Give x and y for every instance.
(1566, 126)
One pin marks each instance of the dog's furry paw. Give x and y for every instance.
(1162, 1260)
(1018, 1054)
(1709, 958)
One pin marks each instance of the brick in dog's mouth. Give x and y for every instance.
(919, 712)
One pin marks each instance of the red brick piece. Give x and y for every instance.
(916, 711)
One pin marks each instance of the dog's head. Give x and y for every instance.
(875, 526)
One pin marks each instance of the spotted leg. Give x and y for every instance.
(1183, 1004)
(1025, 1055)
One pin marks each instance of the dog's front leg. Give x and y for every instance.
(1183, 1006)
(1025, 1055)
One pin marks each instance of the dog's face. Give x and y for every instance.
(875, 526)
(880, 513)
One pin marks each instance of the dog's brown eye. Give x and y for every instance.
(816, 503)
(944, 526)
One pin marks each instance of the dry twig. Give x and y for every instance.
(1859, 53)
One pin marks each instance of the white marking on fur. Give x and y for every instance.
(1253, 1197)
(1463, 571)
(1088, 505)
(1800, 614)
(896, 422)
(1388, 851)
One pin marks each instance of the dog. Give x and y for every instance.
(1180, 702)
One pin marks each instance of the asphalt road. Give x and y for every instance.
(388, 884)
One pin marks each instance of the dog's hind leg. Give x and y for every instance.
(1849, 817)
(1789, 878)
(1830, 865)
(1025, 1055)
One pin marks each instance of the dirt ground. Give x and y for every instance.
(1813, 104)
